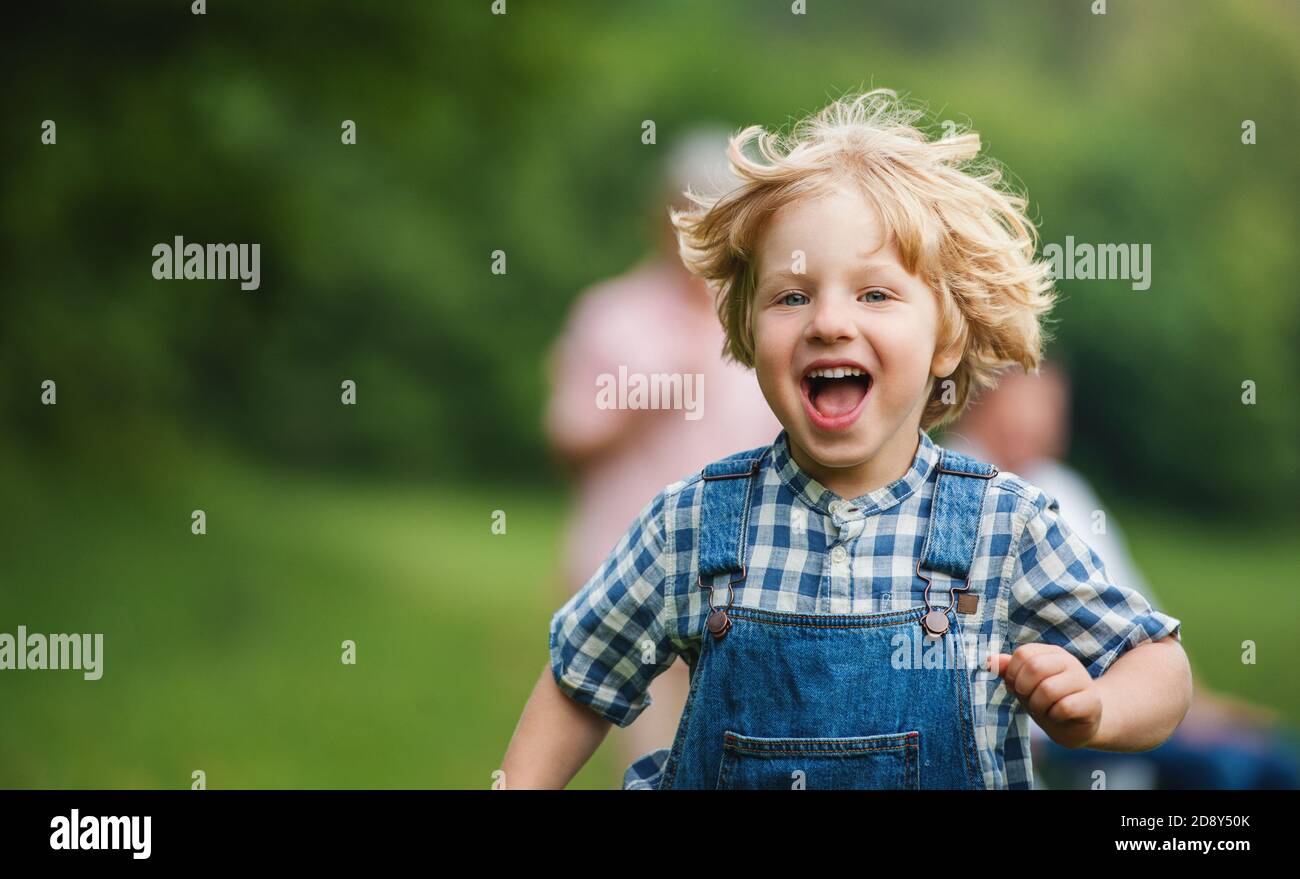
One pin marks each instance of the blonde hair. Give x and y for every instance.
(963, 234)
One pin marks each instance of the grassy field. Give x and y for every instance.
(222, 651)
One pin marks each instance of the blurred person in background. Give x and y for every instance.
(1223, 743)
(655, 319)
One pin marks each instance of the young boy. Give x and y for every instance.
(844, 596)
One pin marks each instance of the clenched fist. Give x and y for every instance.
(1056, 690)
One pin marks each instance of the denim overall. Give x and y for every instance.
(790, 700)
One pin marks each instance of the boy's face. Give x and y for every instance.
(854, 305)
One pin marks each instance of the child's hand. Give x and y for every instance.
(1055, 688)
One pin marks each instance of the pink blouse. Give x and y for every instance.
(647, 321)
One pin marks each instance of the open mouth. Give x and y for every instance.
(833, 396)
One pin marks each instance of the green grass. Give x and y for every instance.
(1229, 582)
(222, 651)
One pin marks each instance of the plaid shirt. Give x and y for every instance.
(812, 552)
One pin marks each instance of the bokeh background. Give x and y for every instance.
(522, 133)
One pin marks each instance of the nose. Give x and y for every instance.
(831, 319)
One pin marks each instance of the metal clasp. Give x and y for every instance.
(718, 623)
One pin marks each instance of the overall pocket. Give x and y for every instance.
(881, 762)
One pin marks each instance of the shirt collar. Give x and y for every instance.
(821, 498)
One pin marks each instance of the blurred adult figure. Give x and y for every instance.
(1223, 743)
(655, 319)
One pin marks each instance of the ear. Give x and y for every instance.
(945, 361)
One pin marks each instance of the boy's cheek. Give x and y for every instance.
(899, 384)
(774, 379)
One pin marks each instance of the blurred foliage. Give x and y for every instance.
(522, 132)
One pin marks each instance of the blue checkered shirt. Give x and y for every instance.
(813, 552)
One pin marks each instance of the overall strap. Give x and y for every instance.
(955, 515)
(728, 490)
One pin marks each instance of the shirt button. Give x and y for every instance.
(839, 555)
(836, 506)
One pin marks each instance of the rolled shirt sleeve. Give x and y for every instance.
(1061, 594)
(609, 641)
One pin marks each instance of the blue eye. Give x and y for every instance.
(786, 296)
(881, 293)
